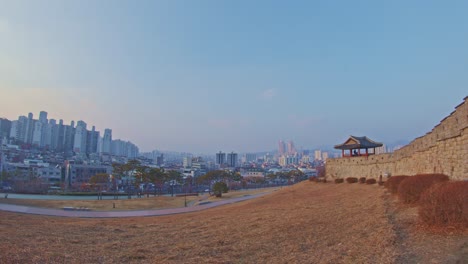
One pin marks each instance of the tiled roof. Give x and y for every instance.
(354, 142)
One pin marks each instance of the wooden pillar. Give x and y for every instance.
(342, 153)
(367, 152)
(359, 152)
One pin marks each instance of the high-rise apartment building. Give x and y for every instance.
(43, 117)
(187, 162)
(107, 141)
(318, 155)
(5, 127)
(79, 145)
(249, 157)
(37, 134)
(232, 160)
(92, 141)
(281, 147)
(220, 158)
(324, 156)
(29, 129)
(291, 148)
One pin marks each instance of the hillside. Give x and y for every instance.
(305, 223)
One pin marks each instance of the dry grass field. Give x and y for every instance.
(145, 203)
(306, 223)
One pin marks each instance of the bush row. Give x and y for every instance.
(393, 182)
(351, 180)
(412, 187)
(446, 204)
(354, 180)
(440, 201)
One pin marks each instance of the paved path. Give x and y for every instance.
(117, 214)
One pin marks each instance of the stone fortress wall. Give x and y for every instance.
(442, 150)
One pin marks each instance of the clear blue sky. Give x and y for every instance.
(203, 76)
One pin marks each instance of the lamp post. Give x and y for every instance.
(185, 196)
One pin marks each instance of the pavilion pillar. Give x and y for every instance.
(342, 153)
(367, 152)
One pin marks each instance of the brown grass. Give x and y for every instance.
(305, 223)
(159, 202)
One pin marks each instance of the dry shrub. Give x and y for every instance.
(339, 180)
(410, 189)
(362, 180)
(351, 180)
(445, 204)
(393, 182)
(371, 181)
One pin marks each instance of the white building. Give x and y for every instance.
(318, 155)
(107, 141)
(79, 145)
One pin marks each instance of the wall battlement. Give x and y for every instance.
(442, 150)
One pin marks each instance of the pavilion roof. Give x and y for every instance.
(354, 142)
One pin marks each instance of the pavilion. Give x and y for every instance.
(356, 144)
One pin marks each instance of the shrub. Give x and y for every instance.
(411, 188)
(339, 180)
(351, 180)
(371, 181)
(393, 182)
(219, 188)
(362, 180)
(445, 204)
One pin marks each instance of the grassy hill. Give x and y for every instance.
(306, 223)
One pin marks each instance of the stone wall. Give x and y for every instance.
(443, 150)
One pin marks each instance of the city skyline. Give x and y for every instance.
(239, 76)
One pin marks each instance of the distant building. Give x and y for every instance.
(160, 160)
(286, 160)
(232, 159)
(220, 158)
(107, 141)
(187, 162)
(324, 156)
(81, 134)
(318, 155)
(81, 173)
(291, 148)
(92, 141)
(5, 127)
(249, 157)
(252, 172)
(281, 148)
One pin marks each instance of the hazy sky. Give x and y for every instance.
(232, 75)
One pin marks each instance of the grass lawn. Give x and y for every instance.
(306, 223)
(158, 202)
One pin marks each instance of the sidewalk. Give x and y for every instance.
(118, 214)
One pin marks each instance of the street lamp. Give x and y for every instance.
(185, 196)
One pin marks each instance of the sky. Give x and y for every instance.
(236, 75)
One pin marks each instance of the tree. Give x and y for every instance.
(100, 180)
(158, 177)
(295, 175)
(219, 188)
(174, 178)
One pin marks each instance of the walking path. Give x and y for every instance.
(118, 214)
